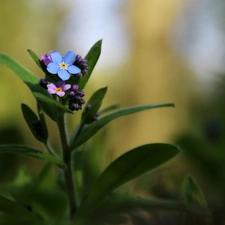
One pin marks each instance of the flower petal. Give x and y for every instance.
(69, 58)
(73, 69)
(52, 68)
(63, 74)
(66, 87)
(56, 57)
(60, 83)
(51, 86)
(60, 93)
(51, 91)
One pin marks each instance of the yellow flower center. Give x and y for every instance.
(63, 65)
(59, 89)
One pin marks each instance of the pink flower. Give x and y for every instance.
(58, 88)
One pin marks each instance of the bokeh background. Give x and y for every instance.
(153, 52)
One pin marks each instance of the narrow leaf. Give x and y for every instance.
(124, 203)
(30, 152)
(192, 193)
(92, 58)
(92, 129)
(43, 122)
(30, 80)
(35, 58)
(27, 77)
(32, 120)
(94, 104)
(42, 98)
(109, 108)
(125, 168)
(10, 207)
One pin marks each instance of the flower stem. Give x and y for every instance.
(50, 150)
(68, 173)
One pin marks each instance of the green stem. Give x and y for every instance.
(68, 174)
(79, 130)
(50, 150)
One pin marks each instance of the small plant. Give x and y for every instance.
(61, 91)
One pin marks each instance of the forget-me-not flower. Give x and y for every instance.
(58, 88)
(63, 65)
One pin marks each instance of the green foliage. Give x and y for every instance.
(109, 108)
(32, 82)
(43, 123)
(10, 207)
(27, 77)
(92, 58)
(30, 152)
(192, 193)
(35, 58)
(30, 118)
(125, 168)
(51, 197)
(51, 102)
(95, 103)
(92, 129)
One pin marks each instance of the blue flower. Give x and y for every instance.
(63, 66)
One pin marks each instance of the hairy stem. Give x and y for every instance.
(68, 173)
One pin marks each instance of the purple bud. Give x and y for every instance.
(75, 106)
(80, 93)
(43, 83)
(45, 59)
(82, 101)
(71, 94)
(82, 64)
(75, 87)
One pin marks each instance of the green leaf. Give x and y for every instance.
(31, 81)
(10, 207)
(27, 77)
(35, 58)
(46, 177)
(125, 168)
(30, 152)
(43, 122)
(30, 118)
(92, 129)
(116, 204)
(192, 193)
(95, 103)
(109, 108)
(54, 104)
(92, 58)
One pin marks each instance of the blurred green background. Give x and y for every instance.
(153, 52)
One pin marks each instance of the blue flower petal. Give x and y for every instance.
(63, 74)
(53, 68)
(56, 57)
(73, 69)
(69, 58)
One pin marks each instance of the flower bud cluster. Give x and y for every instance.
(76, 98)
(82, 64)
